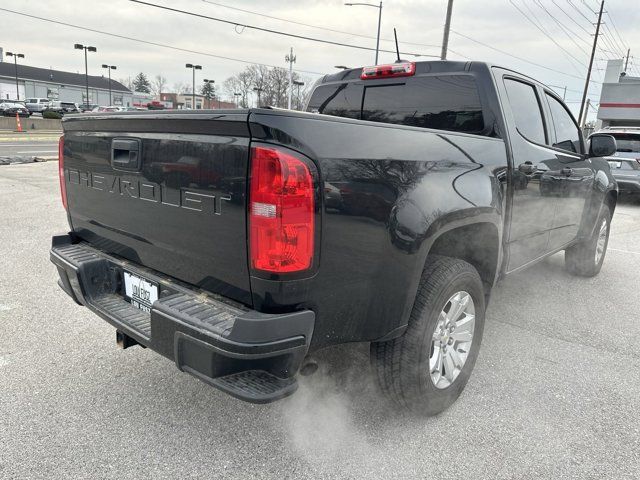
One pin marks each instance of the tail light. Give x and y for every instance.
(63, 186)
(281, 211)
(406, 69)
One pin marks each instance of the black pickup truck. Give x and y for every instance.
(239, 242)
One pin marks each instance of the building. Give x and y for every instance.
(34, 82)
(620, 97)
(185, 100)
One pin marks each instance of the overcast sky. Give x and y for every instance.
(494, 22)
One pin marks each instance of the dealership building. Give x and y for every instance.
(620, 97)
(34, 82)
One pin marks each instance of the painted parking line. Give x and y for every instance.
(37, 151)
(44, 145)
(624, 251)
(28, 139)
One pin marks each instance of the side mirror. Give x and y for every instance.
(602, 145)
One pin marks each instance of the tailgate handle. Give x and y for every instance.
(126, 153)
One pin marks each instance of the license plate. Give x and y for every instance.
(615, 164)
(140, 292)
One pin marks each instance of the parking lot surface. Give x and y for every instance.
(29, 144)
(555, 392)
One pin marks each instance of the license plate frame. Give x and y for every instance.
(140, 292)
(615, 164)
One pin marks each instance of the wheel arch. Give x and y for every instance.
(477, 243)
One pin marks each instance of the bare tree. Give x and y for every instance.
(260, 80)
(158, 84)
(126, 82)
(273, 85)
(180, 87)
(277, 87)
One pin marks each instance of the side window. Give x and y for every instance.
(525, 106)
(567, 132)
(343, 100)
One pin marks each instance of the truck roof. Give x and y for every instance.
(427, 66)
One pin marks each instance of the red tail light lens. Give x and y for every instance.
(406, 69)
(63, 186)
(281, 212)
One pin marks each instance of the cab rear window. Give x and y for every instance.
(445, 102)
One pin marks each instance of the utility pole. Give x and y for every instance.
(593, 54)
(291, 58)
(626, 62)
(447, 27)
(586, 114)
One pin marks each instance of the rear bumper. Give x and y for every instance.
(251, 355)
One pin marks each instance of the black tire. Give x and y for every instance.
(580, 259)
(401, 365)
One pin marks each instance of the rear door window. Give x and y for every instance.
(526, 110)
(447, 102)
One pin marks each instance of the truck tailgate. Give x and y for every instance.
(166, 190)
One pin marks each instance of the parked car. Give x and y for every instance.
(240, 278)
(11, 108)
(36, 105)
(110, 108)
(62, 107)
(625, 163)
(87, 107)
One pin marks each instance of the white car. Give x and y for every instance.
(36, 105)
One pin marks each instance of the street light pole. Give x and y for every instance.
(236, 95)
(109, 68)
(298, 84)
(257, 90)
(79, 46)
(193, 92)
(16, 56)
(379, 7)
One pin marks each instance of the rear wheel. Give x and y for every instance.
(426, 369)
(586, 258)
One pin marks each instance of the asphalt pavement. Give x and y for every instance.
(29, 144)
(555, 393)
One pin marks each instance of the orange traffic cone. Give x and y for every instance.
(18, 122)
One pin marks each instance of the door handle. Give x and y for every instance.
(126, 153)
(567, 171)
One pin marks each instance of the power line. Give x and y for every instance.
(148, 42)
(614, 42)
(517, 57)
(242, 26)
(544, 32)
(318, 27)
(580, 12)
(571, 18)
(570, 34)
